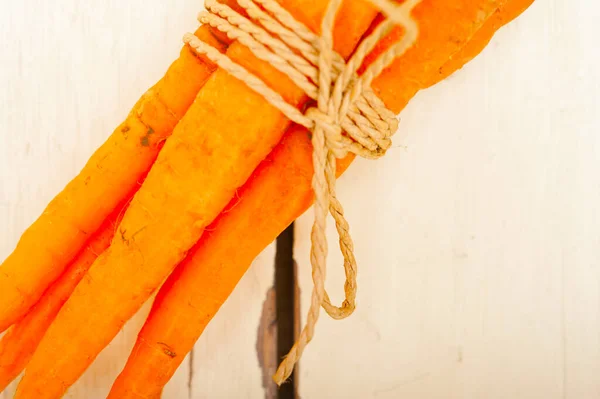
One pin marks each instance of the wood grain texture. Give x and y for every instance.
(477, 235)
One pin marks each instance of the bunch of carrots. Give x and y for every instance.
(186, 192)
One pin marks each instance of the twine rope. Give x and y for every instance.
(348, 116)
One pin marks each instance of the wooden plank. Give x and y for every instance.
(477, 235)
(479, 273)
(69, 75)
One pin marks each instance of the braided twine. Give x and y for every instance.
(348, 117)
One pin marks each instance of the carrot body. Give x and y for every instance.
(212, 152)
(505, 13)
(199, 286)
(52, 241)
(277, 193)
(20, 341)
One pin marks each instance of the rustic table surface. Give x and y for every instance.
(478, 235)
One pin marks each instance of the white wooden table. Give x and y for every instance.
(478, 236)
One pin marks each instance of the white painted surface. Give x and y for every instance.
(479, 262)
(478, 238)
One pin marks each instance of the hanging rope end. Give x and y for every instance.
(282, 374)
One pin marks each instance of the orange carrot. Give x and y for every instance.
(212, 152)
(52, 241)
(277, 193)
(505, 13)
(22, 338)
(195, 291)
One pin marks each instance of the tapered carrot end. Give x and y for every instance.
(12, 302)
(14, 355)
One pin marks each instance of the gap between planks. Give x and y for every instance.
(280, 321)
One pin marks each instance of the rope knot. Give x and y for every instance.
(334, 140)
(348, 117)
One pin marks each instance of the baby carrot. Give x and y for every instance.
(215, 147)
(52, 241)
(278, 191)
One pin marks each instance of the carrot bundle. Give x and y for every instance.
(196, 173)
(265, 205)
(113, 171)
(219, 159)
